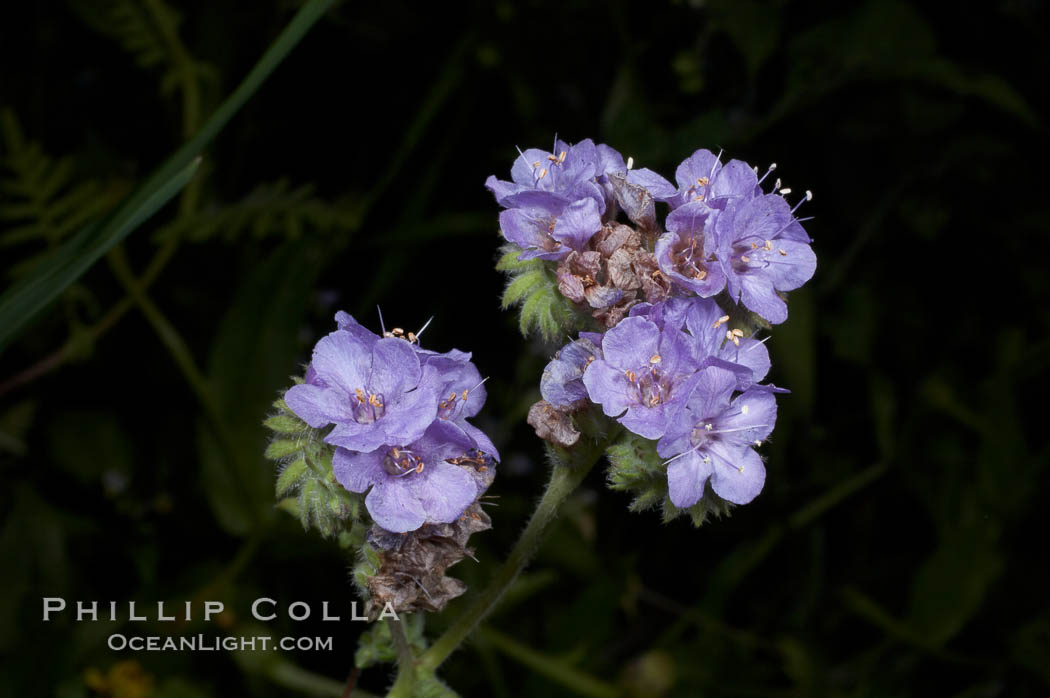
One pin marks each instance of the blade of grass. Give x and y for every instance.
(28, 297)
(25, 300)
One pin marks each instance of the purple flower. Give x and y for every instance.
(411, 484)
(687, 252)
(562, 381)
(713, 340)
(461, 394)
(711, 438)
(644, 374)
(763, 250)
(568, 172)
(548, 226)
(370, 388)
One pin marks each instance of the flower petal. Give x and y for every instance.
(344, 360)
(686, 477)
(394, 505)
(318, 406)
(444, 490)
(395, 367)
(738, 474)
(358, 471)
(631, 343)
(607, 386)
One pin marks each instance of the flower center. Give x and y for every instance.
(751, 254)
(652, 385)
(368, 407)
(688, 257)
(698, 191)
(402, 461)
(702, 434)
(450, 407)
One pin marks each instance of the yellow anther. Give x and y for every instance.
(768, 246)
(782, 252)
(744, 258)
(738, 333)
(465, 394)
(745, 409)
(709, 426)
(703, 181)
(360, 394)
(721, 321)
(419, 468)
(561, 156)
(630, 375)
(543, 173)
(655, 359)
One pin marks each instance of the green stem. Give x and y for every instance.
(566, 476)
(182, 356)
(406, 660)
(577, 681)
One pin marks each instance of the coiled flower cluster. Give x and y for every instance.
(668, 306)
(398, 415)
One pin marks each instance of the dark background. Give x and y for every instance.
(898, 547)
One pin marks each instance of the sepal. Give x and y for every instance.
(636, 468)
(306, 485)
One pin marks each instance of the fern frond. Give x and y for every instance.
(148, 30)
(40, 200)
(276, 209)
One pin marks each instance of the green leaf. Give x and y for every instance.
(54, 274)
(30, 296)
(281, 448)
(522, 286)
(285, 424)
(244, 380)
(290, 476)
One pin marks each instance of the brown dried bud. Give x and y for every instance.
(411, 574)
(551, 424)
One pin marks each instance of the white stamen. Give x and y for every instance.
(381, 325)
(425, 325)
(785, 190)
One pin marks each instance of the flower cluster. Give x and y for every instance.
(398, 416)
(674, 306)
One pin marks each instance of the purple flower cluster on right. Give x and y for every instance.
(674, 355)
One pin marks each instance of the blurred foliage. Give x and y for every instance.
(896, 549)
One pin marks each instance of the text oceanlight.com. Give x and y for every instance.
(262, 609)
(214, 643)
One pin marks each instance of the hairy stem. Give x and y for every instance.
(567, 474)
(406, 660)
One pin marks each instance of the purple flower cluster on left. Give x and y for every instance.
(400, 423)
